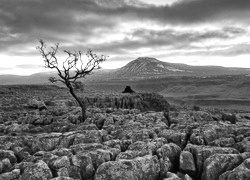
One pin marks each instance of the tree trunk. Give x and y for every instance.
(80, 102)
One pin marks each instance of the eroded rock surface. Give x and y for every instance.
(121, 139)
(140, 168)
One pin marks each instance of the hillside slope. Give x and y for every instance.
(145, 67)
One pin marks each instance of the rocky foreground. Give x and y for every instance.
(43, 141)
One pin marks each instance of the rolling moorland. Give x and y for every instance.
(180, 84)
(182, 123)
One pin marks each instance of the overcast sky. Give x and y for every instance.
(195, 32)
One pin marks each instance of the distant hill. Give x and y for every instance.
(39, 78)
(140, 68)
(145, 67)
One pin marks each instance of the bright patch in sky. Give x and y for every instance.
(160, 2)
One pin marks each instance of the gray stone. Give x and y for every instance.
(171, 176)
(217, 164)
(39, 170)
(201, 153)
(242, 172)
(187, 163)
(141, 168)
(12, 175)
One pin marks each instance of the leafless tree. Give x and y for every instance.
(73, 68)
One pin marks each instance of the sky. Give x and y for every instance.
(194, 32)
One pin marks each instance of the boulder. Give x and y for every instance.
(60, 162)
(244, 145)
(217, 164)
(242, 172)
(172, 152)
(82, 165)
(242, 130)
(187, 163)
(62, 152)
(9, 155)
(175, 136)
(201, 153)
(12, 175)
(67, 139)
(62, 172)
(88, 136)
(47, 157)
(171, 176)
(39, 170)
(114, 143)
(75, 172)
(40, 120)
(46, 142)
(141, 168)
(100, 119)
(140, 134)
(141, 148)
(33, 103)
(7, 141)
(223, 142)
(99, 156)
(5, 165)
(16, 128)
(187, 177)
(207, 133)
(188, 118)
(165, 167)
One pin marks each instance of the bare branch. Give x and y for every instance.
(73, 63)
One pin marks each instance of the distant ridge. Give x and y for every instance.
(147, 67)
(140, 68)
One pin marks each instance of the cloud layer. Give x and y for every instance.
(122, 28)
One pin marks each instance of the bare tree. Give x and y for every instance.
(73, 68)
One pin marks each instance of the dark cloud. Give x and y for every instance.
(200, 11)
(186, 12)
(170, 39)
(74, 23)
(25, 21)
